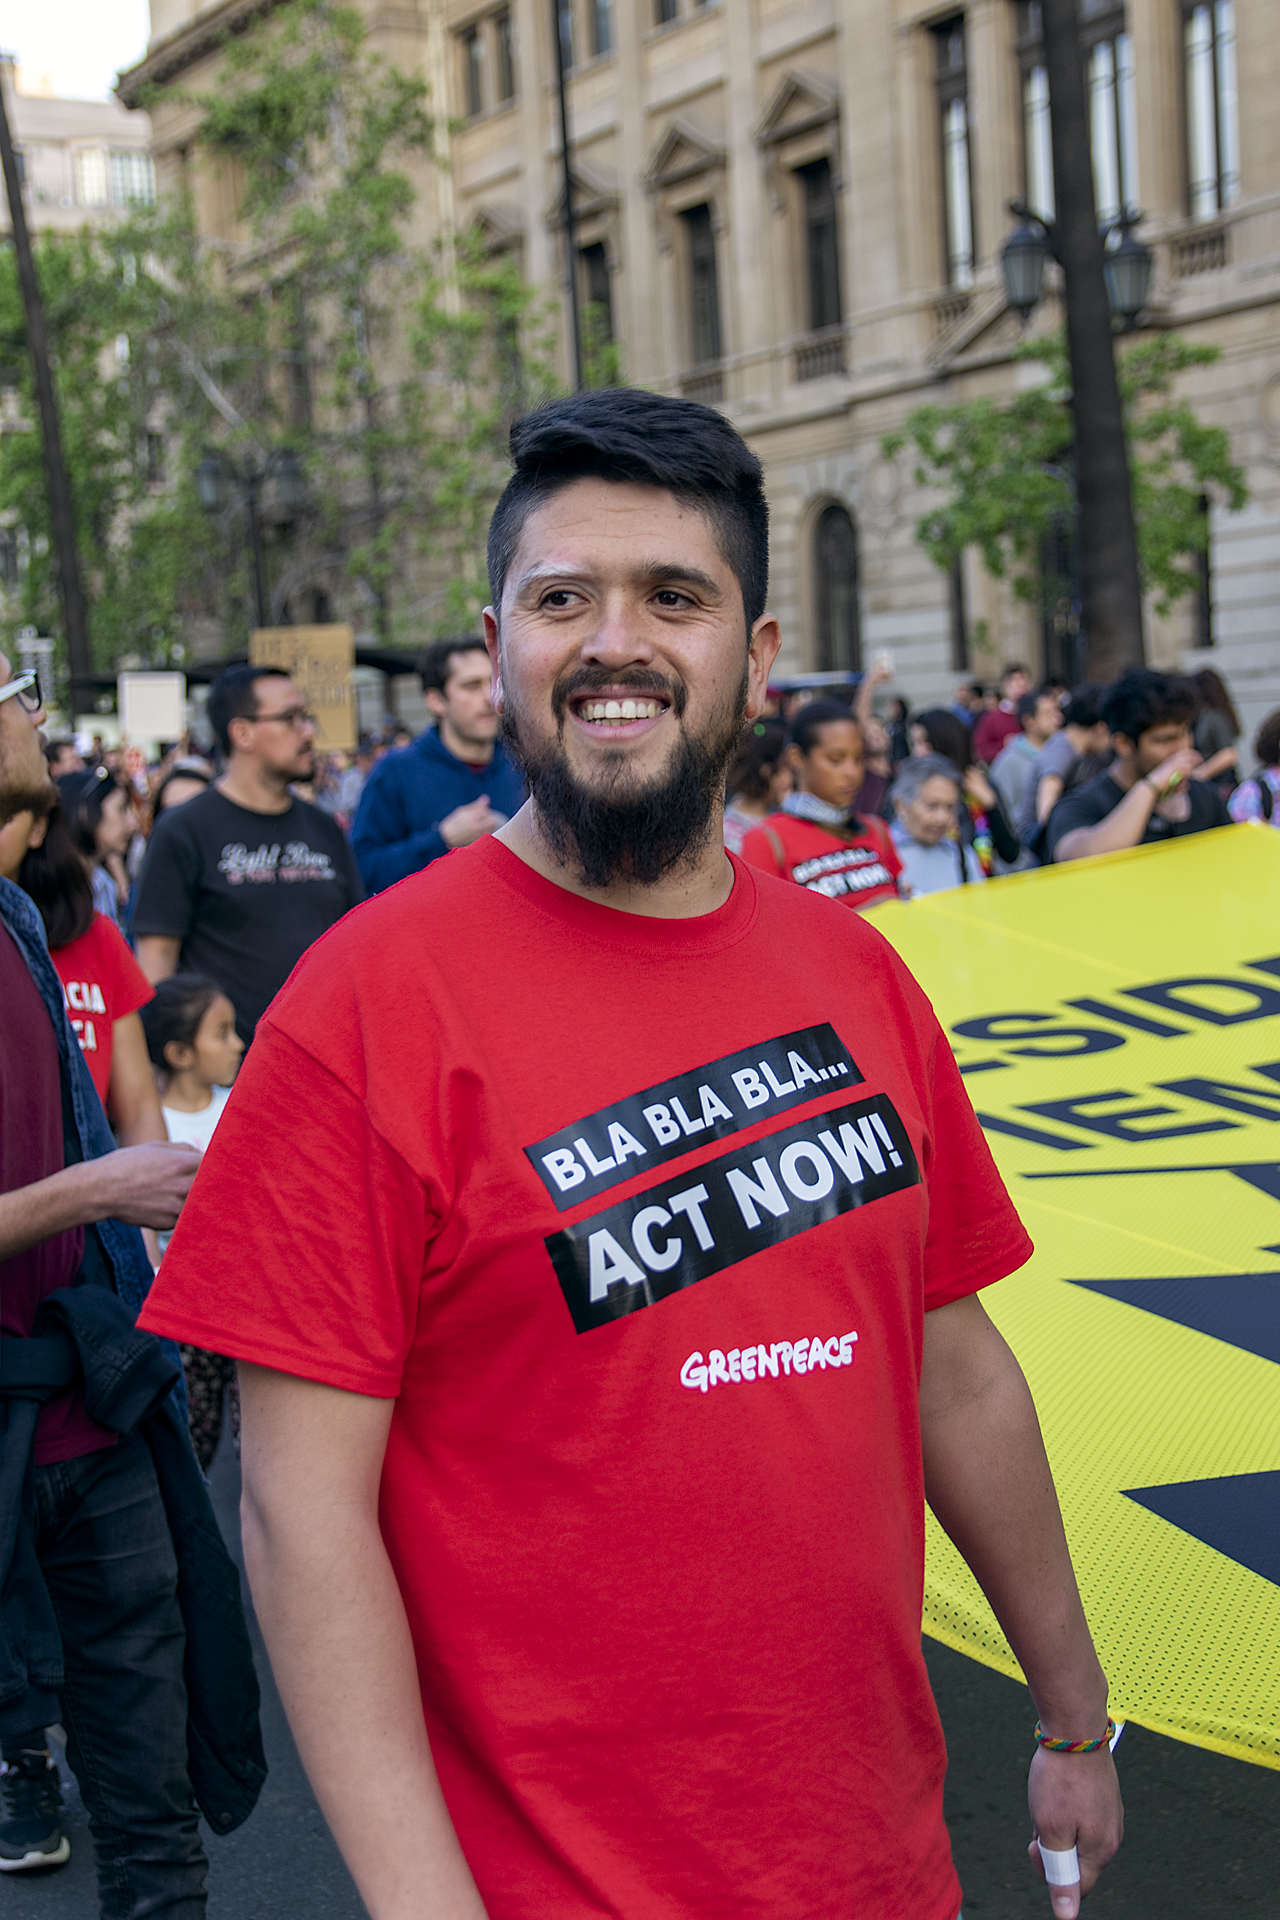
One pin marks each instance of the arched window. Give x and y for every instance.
(835, 598)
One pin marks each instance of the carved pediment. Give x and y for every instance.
(681, 154)
(801, 103)
(593, 195)
(499, 227)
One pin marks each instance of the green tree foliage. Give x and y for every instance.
(1005, 468)
(389, 368)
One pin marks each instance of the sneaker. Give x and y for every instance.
(30, 1832)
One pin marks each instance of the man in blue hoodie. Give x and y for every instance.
(455, 783)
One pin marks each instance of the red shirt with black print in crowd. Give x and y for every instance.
(856, 865)
(637, 1220)
(101, 983)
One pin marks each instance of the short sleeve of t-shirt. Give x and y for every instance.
(351, 1215)
(1056, 757)
(102, 983)
(165, 904)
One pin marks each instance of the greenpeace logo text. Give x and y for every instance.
(744, 1364)
(676, 1233)
(706, 1103)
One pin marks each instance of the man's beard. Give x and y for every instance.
(619, 831)
(29, 798)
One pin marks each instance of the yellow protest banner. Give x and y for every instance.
(1118, 1025)
(320, 660)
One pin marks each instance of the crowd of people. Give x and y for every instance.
(994, 784)
(167, 909)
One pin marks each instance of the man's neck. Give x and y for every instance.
(684, 895)
(476, 753)
(250, 785)
(15, 838)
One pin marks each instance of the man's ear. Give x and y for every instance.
(39, 828)
(436, 702)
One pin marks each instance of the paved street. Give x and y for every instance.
(1200, 1828)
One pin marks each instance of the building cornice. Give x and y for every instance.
(180, 50)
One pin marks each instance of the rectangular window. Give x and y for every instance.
(594, 268)
(1039, 145)
(601, 26)
(567, 39)
(666, 12)
(472, 44)
(1213, 114)
(91, 179)
(822, 243)
(504, 66)
(704, 292)
(1204, 585)
(153, 458)
(957, 192)
(133, 180)
(1106, 49)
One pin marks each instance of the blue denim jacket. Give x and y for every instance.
(130, 1267)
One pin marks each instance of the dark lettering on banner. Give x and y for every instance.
(681, 1231)
(707, 1103)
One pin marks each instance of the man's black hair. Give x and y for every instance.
(1084, 708)
(1141, 699)
(232, 697)
(651, 440)
(1030, 701)
(435, 665)
(1013, 666)
(813, 716)
(1266, 742)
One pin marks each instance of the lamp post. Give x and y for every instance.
(218, 473)
(1110, 582)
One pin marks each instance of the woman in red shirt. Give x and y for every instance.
(102, 983)
(817, 839)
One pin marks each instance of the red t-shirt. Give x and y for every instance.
(638, 1220)
(31, 1148)
(101, 983)
(858, 866)
(991, 731)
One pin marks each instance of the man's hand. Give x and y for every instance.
(1173, 772)
(145, 1186)
(1075, 1802)
(472, 822)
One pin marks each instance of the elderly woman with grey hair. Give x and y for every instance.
(924, 797)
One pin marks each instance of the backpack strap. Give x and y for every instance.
(774, 838)
(1266, 799)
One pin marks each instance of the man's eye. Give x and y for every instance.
(558, 597)
(668, 597)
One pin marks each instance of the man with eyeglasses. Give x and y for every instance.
(238, 883)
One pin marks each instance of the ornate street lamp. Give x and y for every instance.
(214, 476)
(1127, 272)
(1023, 259)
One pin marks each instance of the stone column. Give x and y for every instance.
(744, 305)
(995, 111)
(1159, 82)
(637, 283)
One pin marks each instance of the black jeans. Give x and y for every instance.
(107, 1556)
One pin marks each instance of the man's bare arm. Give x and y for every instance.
(158, 956)
(988, 1482)
(1048, 794)
(144, 1186)
(335, 1626)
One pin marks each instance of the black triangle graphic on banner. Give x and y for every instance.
(1237, 1515)
(1242, 1309)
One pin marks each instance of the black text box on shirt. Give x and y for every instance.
(707, 1103)
(634, 1254)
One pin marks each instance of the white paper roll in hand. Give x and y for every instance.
(1060, 1869)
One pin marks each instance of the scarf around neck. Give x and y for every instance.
(807, 806)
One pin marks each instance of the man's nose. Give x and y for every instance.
(619, 637)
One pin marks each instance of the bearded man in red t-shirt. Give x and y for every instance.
(600, 1222)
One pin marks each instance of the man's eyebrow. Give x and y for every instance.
(654, 573)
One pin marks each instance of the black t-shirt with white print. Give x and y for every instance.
(245, 892)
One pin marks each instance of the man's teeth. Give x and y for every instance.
(620, 710)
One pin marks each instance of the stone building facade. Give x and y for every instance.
(794, 209)
(81, 161)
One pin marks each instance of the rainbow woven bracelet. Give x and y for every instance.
(1075, 1746)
